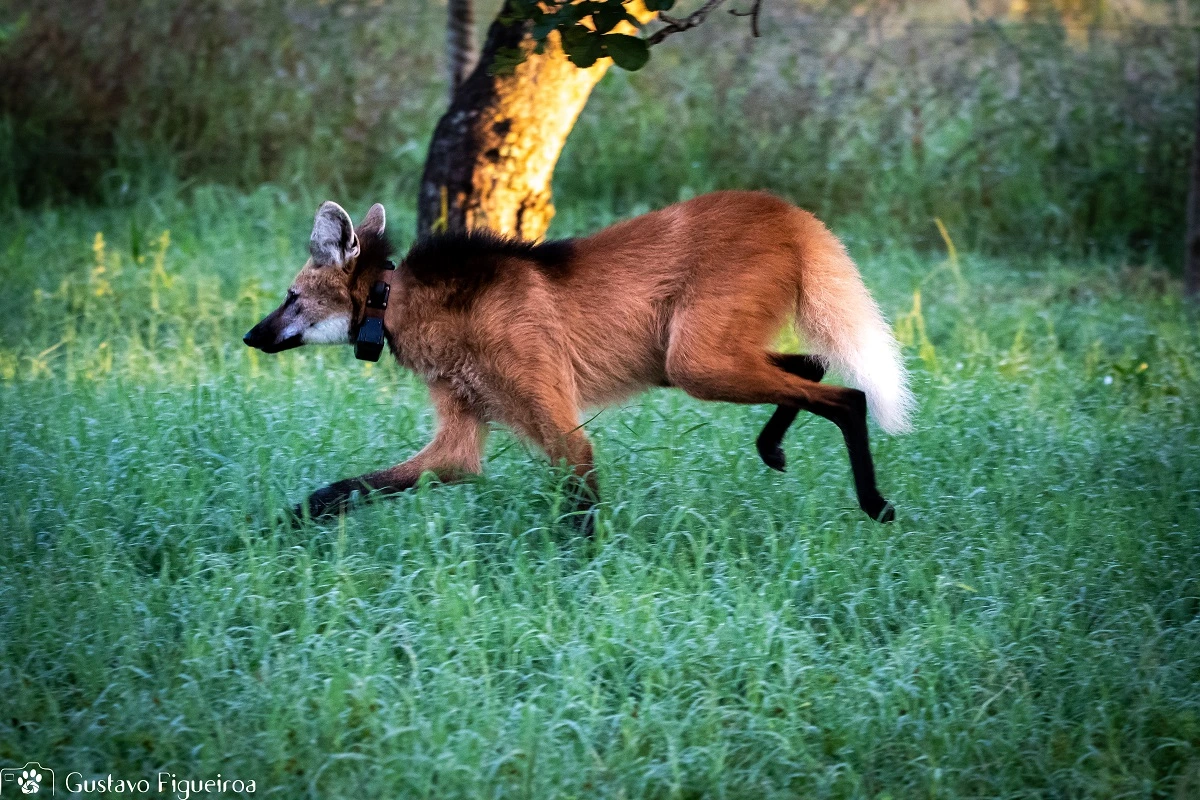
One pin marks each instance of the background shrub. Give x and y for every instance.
(1057, 130)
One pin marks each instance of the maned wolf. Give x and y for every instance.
(527, 334)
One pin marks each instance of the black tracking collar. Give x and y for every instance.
(369, 345)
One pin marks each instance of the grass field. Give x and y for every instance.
(1029, 627)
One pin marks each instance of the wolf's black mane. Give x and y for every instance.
(468, 261)
(441, 255)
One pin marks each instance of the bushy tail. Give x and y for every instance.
(841, 321)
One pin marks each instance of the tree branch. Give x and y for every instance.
(752, 14)
(675, 25)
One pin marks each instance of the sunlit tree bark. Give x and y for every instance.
(492, 156)
(493, 153)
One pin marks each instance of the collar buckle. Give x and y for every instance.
(377, 298)
(369, 344)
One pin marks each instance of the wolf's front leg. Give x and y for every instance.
(549, 418)
(455, 453)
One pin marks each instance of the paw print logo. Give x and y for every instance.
(32, 778)
(30, 781)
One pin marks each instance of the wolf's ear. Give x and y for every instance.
(375, 221)
(333, 242)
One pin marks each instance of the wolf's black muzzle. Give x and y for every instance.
(268, 341)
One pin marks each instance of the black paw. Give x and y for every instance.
(324, 504)
(880, 510)
(586, 524)
(583, 517)
(772, 455)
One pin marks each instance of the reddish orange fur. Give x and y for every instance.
(690, 296)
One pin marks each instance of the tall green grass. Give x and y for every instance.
(1027, 628)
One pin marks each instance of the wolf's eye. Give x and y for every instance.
(292, 295)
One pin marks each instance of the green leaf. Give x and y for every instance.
(570, 14)
(525, 9)
(628, 52)
(610, 15)
(542, 28)
(659, 5)
(506, 61)
(583, 46)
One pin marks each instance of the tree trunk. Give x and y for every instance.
(1191, 255)
(493, 152)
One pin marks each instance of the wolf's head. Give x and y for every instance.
(324, 303)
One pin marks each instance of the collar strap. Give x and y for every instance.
(369, 345)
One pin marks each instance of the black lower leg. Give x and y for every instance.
(770, 441)
(583, 494)
(851, 418)
(335, 499)
(811, 368)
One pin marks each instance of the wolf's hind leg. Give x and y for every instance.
(770, 441)
(455, 453)
(706, 371)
